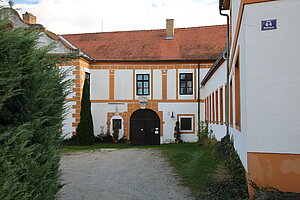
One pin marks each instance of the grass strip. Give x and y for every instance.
(193, 163)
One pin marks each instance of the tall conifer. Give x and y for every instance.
(85, 129)
(32, 93)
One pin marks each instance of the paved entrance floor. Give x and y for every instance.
(135, 174)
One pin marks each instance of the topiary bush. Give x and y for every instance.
(85, 129)
(32, 93)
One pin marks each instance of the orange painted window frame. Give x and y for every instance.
(209, 108)
(237, 91)
(221, 105)
(217, 106)
(193, 123)
(230, 104)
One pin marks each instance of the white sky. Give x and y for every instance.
(83, 16)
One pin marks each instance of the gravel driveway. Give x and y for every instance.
(138, 174)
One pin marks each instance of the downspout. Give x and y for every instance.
(199, 97)
(227, 75)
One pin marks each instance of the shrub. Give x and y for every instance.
(70, 141)
(116, 135)
(271, 193)
(123, 140)
(205, 136)
(107, 138)
(177, 134)
(224, 148)
(229, 181)
(85, 129)
(31, 113)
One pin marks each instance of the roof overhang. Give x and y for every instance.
(224, 4)
(214, 68)
(155, 60)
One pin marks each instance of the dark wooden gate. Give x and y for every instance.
(144, 127)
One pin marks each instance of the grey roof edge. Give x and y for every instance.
(213, 68)
(81, 53)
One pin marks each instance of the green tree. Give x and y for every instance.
(32, 93)
(85, 130)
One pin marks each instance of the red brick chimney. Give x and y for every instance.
(170, 29)
(29, 18)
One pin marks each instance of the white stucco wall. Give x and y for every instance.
(217, 80)
(157, 84)
(235, 6)
(67, 128)
(99, 84)
(171, 82)
(169, 123)
(123, 84)
(272, 80)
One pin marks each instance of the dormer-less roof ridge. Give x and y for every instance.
(192, 43)
(120, 31)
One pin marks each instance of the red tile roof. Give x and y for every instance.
(198, 43)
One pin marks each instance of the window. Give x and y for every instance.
(209, 108)
(237, 95)
(186, 83)
(221, 104)
(117, 124)
(213, 107)
(230, 104)
(88, 77)
(186, 123)
(205, 103)
(142, 84)
(217, 107)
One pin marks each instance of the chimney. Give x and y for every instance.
(29, 18)
(170, 29)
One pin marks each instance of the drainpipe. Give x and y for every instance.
(199, 97)
(227, 75)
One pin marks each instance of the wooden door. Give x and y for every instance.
(144, 127)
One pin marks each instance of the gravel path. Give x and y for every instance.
(136, 174)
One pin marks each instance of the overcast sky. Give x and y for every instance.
(83, 16)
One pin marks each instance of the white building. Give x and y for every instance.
(264, 112)
(144, 81)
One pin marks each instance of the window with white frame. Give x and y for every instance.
(142, 84)
(186, 123)
(186, 83)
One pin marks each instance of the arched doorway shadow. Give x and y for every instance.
(144, 127)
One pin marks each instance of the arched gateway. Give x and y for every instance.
(144, 127)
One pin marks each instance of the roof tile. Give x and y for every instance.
(197, 43)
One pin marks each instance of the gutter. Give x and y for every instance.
(199, 97)
(183, 60)
(227, 73)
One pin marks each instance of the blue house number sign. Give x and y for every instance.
(268, 24)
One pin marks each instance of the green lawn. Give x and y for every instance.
(194, 164)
